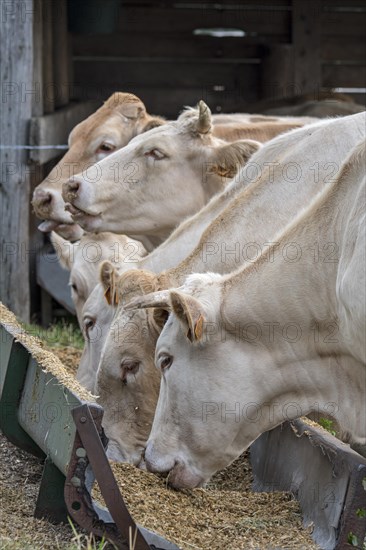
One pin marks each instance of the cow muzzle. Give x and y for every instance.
(70, 189)
(179, 475)
(42, 202)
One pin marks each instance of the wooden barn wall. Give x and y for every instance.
(154, 52)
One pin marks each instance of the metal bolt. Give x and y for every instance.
(76, 482)
(80, 452)
(83, 419)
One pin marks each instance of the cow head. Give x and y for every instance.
(158, 179)
(190, 437)
(127, 380)
(111, 127)
(83, 259)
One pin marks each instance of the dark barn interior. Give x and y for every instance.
(237, 56)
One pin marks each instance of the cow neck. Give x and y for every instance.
(289, 179)
(289, 311)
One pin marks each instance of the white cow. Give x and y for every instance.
(270, 342)
(249, 217)
(145, 189)
(83, 259)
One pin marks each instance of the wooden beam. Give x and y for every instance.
(54, 129)
(47, 61)
(16, 75)
(60, 53)
(306, 32)
(278, 72)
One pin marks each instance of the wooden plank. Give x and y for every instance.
(351, 49)
(152, 74)
(306, 31)
(60, 54)
(16, 69)
(172, 44)
(170, 104)
(37, 109)
(48, 81)
(352, 76)
(344, 24)
(54, 129)
(278, 72)
(54, 279)
(222, 5)
(344, 5)
(268, 22)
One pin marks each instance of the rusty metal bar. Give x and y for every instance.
(89, 462)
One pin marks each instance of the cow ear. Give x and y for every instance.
(64, 249)
(230, 158)
(154, 122)
(132, 107)
(109, 280)
(190, 313)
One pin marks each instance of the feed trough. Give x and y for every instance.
(45, 412)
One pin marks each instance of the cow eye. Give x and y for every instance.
(88, 325)
(155, 154)
(106, 147)
(165, 361)
(129, 367)
(74, 287)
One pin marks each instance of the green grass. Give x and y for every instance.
(327, 425)
(61, 333)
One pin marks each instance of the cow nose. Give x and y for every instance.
(70, 188)
(73, 185)
(154, 462)
(42, 198)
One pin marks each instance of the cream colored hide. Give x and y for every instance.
(111, 127)
(148, 187)
(84, 257)
(272, 341)
(250, 216)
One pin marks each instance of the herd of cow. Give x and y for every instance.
(237, 299)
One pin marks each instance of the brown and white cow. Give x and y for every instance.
(111, 127)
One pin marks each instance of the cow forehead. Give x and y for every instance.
(169, 336)
(166, 131)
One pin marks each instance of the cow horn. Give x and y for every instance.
(155, 299)
(204, 118)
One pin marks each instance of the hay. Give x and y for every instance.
(47, 359)
(211, 518)
(69, 357)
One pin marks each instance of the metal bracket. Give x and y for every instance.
(50, 502)
(88, 459)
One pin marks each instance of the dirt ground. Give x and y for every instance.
(20, 475)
